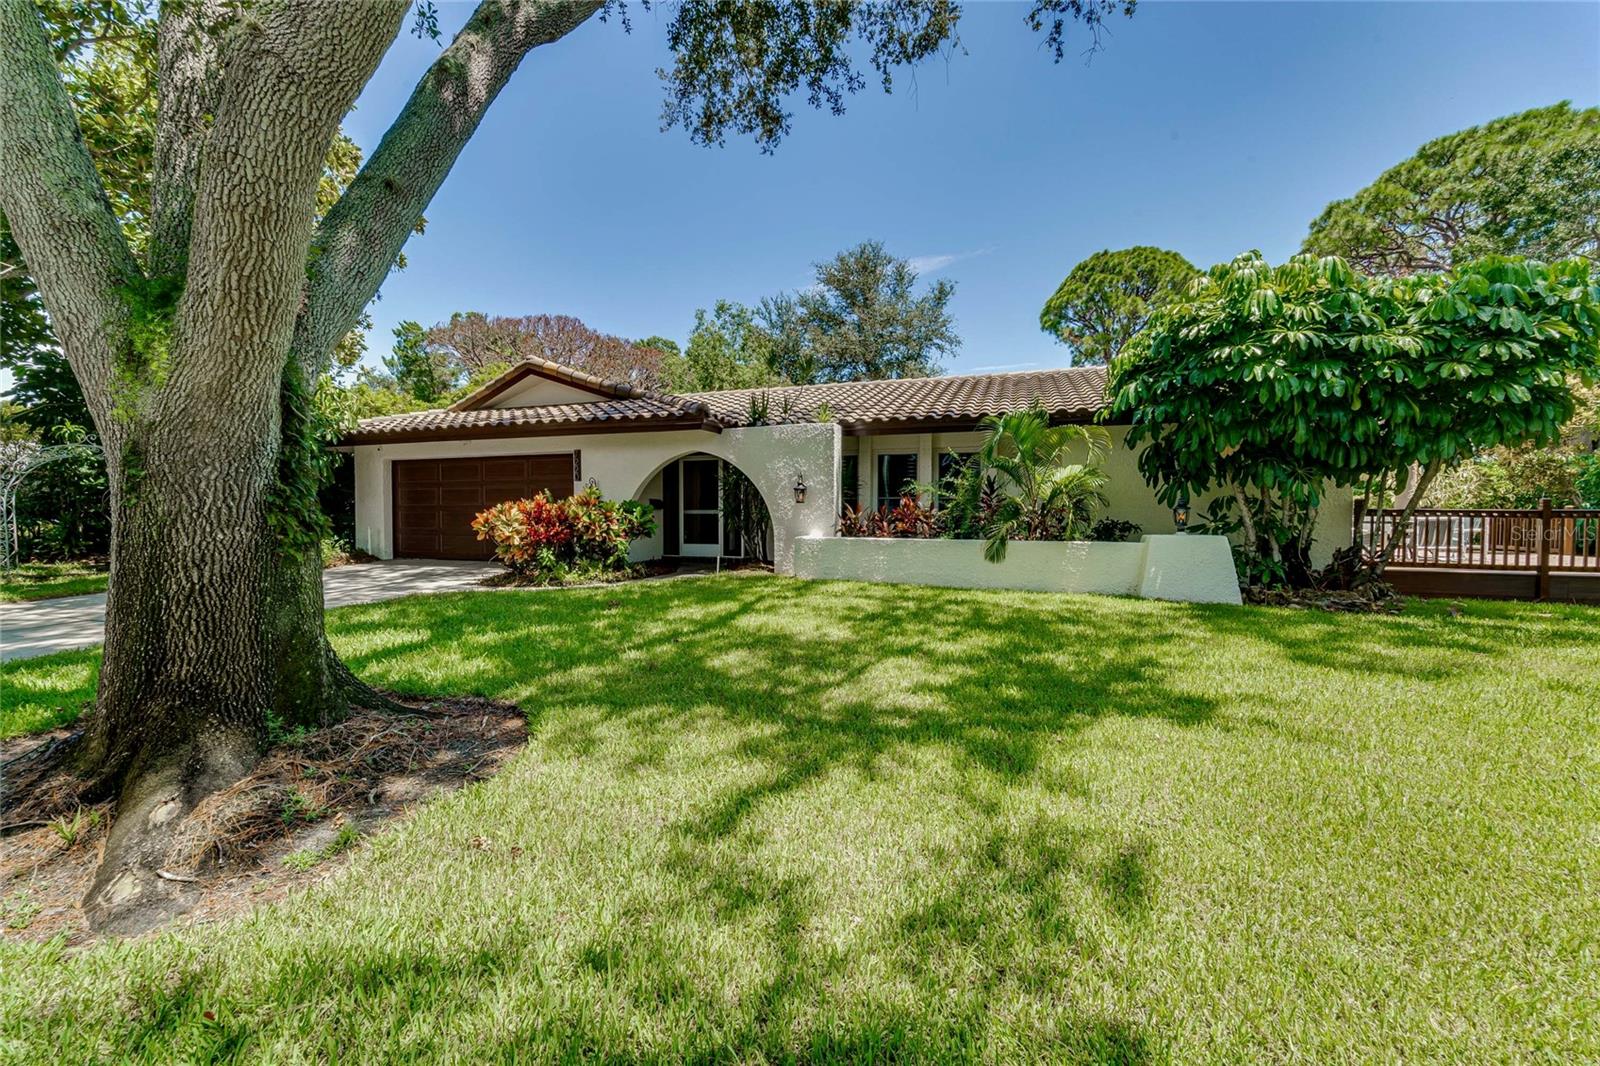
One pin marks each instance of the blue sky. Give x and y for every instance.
(1209, 128)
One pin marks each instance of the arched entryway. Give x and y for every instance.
(707, 508)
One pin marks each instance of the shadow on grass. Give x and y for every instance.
(815, 680)
(1017, 902)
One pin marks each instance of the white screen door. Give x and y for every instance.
(701, 515)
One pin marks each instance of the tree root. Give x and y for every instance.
(174, 847)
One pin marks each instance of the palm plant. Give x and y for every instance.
(1041, 495)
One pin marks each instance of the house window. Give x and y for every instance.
(897, 476)
(950, 466)
(850, 481)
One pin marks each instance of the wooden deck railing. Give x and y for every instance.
(1544, 540)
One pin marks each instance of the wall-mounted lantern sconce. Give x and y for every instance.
(1180, 513)
(799, 488)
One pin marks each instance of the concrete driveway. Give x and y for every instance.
(43, 626)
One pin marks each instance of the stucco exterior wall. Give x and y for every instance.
(1131, 500)
(628, 466)
(1172, 567)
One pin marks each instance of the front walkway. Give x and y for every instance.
(40, 627)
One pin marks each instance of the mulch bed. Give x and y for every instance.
(353, 557)
(1376, 597)
(288, 824)
(637, 572)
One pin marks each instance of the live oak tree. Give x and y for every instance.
(197, 348)
(1268, 383)
(107, 53)
(1527, 184)
(1106, 299)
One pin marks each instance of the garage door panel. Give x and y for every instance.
(410, 518)
(437, 499)
(548, 466)
(505, 469)
(465, 547)
(501, 491)
(418, 496)
(417, 544)
(418, 471)
(460, 495)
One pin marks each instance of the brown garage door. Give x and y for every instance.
(435, 499)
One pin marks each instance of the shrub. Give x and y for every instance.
(1021, 485)
(907, 519)
(1589, 479)
(1510, 477)
(550, 538)
(1114, 529)
(603, 529)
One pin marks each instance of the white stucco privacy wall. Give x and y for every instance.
(626, 465)
(1128, 498)
(1184, 567)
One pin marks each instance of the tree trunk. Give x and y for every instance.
(212, 629)
(1403, 531)
(1251, 542)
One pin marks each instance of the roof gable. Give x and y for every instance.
(539, 382)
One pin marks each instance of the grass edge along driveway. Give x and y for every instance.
(762, 819)
(43, 581)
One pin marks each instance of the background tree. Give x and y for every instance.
(665, 345)
(862, 320)
(728, 349)
(197, 349)
(1527, 184)
(476, 343)
(418, 370)
(1268, 384)
(1109, 297)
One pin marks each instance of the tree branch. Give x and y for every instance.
(189, 74)
(57, 208)
(359, 239)
(289, 79)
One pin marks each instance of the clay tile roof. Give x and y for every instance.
(1072, 394)
(619, 405)
(577, 416)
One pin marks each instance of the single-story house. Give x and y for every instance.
(810, 450)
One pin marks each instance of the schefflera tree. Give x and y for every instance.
(1271, 384)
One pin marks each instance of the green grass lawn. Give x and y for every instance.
(40, 581)
(766, 820)
(46, 691)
